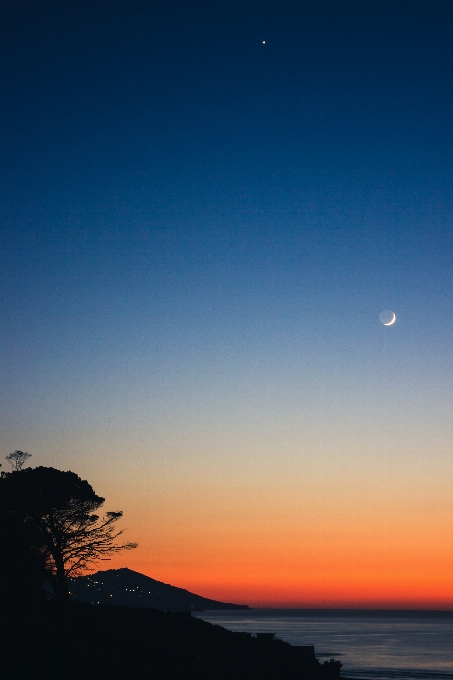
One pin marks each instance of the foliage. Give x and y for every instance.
(58, 510)
(17, 459)
(23, 563)
(334, 667)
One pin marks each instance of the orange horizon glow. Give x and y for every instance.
(280, 596)
(273, 589)
(360, 541)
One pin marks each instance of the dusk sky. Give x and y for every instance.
(207, 204)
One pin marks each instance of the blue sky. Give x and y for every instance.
(201, 229)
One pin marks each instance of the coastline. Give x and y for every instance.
(397, 644)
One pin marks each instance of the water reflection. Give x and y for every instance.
(371, 645)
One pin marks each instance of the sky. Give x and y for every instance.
(206, 206)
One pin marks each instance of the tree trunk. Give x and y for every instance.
(61, 583)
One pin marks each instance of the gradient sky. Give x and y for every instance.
(207, 205)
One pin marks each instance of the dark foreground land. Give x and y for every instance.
(117, 643)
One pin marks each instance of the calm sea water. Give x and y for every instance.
(373, 645)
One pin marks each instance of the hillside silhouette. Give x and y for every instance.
(119, 624)
(129, 588)
(124, 643)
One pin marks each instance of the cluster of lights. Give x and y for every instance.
(131, 590)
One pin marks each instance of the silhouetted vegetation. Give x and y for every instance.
(333, 667)
(49, 530)
(119, 643)
(61, 530)
(23, 562)
(17, 459)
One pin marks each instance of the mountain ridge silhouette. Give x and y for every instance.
(129, 588)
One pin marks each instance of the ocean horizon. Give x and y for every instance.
(372, 644)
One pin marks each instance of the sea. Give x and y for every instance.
(371, 645)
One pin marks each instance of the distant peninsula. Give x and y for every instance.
(129, 588)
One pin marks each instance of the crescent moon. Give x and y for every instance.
(390, 323)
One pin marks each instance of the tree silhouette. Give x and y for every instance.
(23, 563)
(17, 459)
(59, 511)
